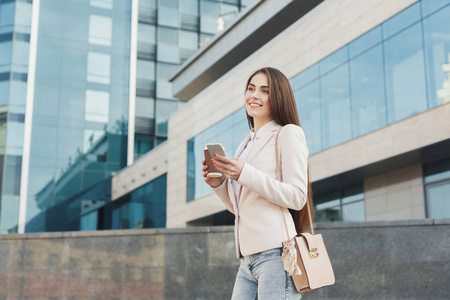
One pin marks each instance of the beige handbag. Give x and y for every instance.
(313, 268)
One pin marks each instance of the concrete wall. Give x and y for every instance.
(374, 260)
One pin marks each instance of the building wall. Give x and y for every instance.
(395, 195)
(313, 37)
(371, 260)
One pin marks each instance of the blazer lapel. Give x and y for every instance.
(242, 146)
(265, 138)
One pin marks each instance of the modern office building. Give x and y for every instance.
(371, 81)
(84, 92)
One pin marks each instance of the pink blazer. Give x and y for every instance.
(259, 222)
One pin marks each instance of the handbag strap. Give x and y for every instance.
(279, 179)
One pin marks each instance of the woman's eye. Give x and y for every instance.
(265, 91)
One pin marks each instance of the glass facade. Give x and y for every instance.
(15, 25)
(437, 188)
(79, 128)
(396, 70)
(169, 32)
(145, 207)
(392, 72)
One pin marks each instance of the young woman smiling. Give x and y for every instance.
(249, 187)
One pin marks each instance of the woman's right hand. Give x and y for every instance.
(213, 182)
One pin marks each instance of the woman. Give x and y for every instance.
(250, 190)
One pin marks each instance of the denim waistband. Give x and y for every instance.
(275, 251)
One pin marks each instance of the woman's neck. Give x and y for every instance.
(259, 123)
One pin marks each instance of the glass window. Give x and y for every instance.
(100, 30)
(188, 40)
(20, 56)
(164, 89)
(167, 35)
(89, 221)
(438, 200)
(169, 3)
(145, 69)
(168, 17)
(405, 74)
(4, 93)
(365, 42)
(99, 67)
(165, 70)
(146, 33)
(7, 17)
(165, 108)
(6, 51)
(309, 106)
(401, 21)
(142, 143)
(168, 53)
(97, 106)
(368, 93)
(91, 139)
(208, 24)
(430, 6)
(23, 17)
(305, 77)
(145, 107)
(107, 4)
(334, 60)
(437, 52)
(189, 6)
(210, 8)
(9, 213)
(336, 107)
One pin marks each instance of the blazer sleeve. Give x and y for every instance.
(222, 192)
(293, 190)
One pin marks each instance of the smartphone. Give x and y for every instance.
(216, 148)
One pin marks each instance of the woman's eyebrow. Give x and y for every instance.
(263, 86)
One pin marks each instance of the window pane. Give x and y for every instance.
(146, 33)
(368, 93)
(97, 106)
(437, 170)
(430, 6)
(168, 53)
(405, 74)
(145, 107)
(100, 30)
(336, 107)
(168, 17)
(168, 35)
(165, 70)
(188, 40)
(401, 20)
(309, 109)
(438, 200)
(189, 6)
(437, 51)
(365, 42)
(305, 77)
(145, 69)
(354, 212)
(99, 65)
(334, 60)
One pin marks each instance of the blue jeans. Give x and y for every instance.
(262, 276)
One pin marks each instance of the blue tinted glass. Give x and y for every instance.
(168, 53)
(9, 212)
(402, 20)
(365, 42)
(334, 60)
(5, 54)
(305, 77)
(437, 51)
(368, 92)
(336, 107)
(438, 202)
(89, 221)
(6, 16)
(405, 74)
(354, 212)
(168, 17)
(309, 108)
(189, 6)
(4, 93)
(430, 6)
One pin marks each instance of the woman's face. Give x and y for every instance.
(257, 102)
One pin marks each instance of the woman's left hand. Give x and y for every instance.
(231, 167)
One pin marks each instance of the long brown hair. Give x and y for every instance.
(284, 111)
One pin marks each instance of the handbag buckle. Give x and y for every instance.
(313, 253)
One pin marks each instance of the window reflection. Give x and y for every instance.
(437, 188)
(100, 30)
(99, 67)
(97, 106)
